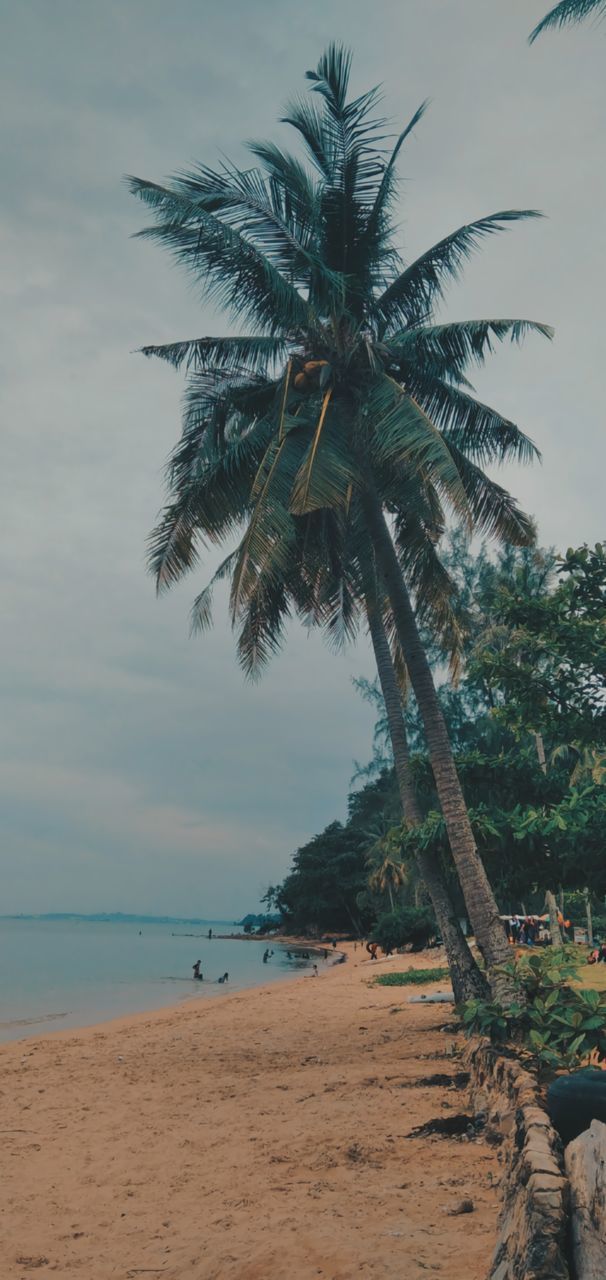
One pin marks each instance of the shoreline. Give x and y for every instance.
(202, 999)
(38, 1026)
(260, 1135)
(158, 1014)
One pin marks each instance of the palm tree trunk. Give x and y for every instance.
(587, 898)
(477, 892)
(467, 981)
(554, 926)
(390, 892)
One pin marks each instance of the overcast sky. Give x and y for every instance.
(139, 772)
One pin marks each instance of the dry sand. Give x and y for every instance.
(261, 1136)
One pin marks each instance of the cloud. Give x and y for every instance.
(139, 769)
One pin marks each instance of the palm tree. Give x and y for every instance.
(567, 12)
(345, 395)
(388, 872)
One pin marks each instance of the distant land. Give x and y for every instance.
(112, 917)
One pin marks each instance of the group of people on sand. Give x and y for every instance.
(533, 931)
(199, 976)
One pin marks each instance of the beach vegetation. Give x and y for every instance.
(411, 978)
(408, 926)
(537, 823)
(555, 1023)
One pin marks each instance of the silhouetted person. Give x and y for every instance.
(198, 977)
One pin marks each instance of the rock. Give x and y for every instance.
(586, 1169)
(464, 1206)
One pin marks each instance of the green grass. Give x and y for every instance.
(411, 978)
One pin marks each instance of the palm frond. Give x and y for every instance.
(325, 477)
(567, 12)
(261, 633)
(270, 532)
(201, 610)
(172, 544)
(462, 343)
(376, 227)
(413, 293)
(234, 271)
(494, 511)
(403, 434)
(308, 120)
(476, 429)
(234, 354)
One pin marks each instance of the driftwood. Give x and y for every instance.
(586, 1169)
(437, 997)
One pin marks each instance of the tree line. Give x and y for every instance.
(527, 719)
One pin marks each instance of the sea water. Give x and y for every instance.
(60, 974)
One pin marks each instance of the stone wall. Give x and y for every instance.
(532, 1231)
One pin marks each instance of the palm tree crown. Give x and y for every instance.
(343, 373)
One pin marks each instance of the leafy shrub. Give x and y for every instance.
(395, 929)
(411, 978)
(554, 1023)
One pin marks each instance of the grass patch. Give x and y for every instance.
(411, 978)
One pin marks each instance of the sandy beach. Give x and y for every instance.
(260, 1136)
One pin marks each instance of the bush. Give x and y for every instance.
(411, 978)
(395, 929)
(555, 1024)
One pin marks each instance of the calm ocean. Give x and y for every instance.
(57, 974)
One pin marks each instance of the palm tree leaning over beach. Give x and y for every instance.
(328, 578)
(343, 390)
(567, 12)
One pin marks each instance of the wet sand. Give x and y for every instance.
(260, 1136)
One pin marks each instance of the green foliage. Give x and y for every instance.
(555, 1024)
(545, 655)
(328, 876)
(407, 925)
(411, 978)
(535, 661)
